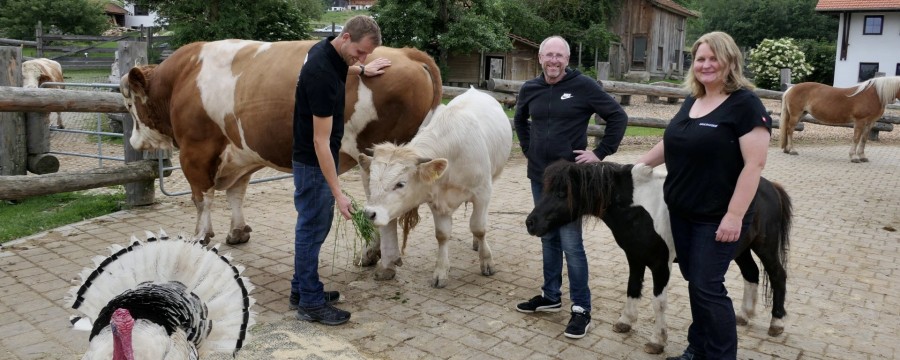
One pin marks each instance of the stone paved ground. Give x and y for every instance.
(843, 297)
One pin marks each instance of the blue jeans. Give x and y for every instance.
(703, 262)
(566, 240)
(315, 211)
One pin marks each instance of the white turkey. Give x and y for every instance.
(162, 299)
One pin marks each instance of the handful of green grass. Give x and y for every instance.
(363, 229)
(362, 226)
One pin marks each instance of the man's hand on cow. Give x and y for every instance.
(343, 204)
(377, 67)
(585, 156)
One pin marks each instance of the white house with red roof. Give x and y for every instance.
(868, 39)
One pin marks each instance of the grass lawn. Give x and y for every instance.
(41, 213)
(33, 215)
(337, 17)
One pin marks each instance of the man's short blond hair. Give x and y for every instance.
(362, 26)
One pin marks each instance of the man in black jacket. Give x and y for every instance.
(560, 103)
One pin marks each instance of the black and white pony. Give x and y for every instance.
(629, 200)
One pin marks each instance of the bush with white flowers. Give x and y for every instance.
(767, 59)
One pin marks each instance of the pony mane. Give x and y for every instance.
(886, 88)
(591, 184)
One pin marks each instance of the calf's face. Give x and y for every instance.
(397, 183)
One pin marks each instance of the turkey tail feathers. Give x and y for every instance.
(205, 273)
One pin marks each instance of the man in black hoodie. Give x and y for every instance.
(560, 103)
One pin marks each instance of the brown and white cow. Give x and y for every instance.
(38, 71)
(228, 106)
(454, 159)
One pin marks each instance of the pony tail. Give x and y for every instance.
(785, 118)
(787, 214)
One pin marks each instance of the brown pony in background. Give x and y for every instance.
(861, 105)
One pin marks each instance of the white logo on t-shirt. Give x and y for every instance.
(565, 96)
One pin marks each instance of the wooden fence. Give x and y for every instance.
(504, 90)
(79, 52)
(20, 144)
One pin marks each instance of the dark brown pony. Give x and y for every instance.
(861, 105)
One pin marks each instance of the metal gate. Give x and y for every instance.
(89, 136)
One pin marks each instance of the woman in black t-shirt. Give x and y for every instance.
(714, 150)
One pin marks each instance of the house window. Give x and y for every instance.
(867, 71)
(873, 25)
(659, 58)
(897, 71)
(140, 11)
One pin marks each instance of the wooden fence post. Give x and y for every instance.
(37, 136)
(13, 148)
(603, 71)
(131, 54)
(785, 77)
(38, 40)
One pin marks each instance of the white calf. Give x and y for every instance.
(454, 159)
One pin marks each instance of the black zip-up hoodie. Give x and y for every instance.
(559, 117)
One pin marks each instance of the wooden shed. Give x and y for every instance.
(651, 34)
(520, 63)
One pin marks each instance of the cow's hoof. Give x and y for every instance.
(438, 282)
(487, 269)
(206, 238)
(855, 161)
(621, 327)
(741, 320)
(776, 330)
(368, 257)
(384, 274)
(652, 348)
(239, 236)
(864, 159)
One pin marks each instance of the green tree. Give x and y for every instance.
(580, 22)
(751, 21)
(441, 27)
(18, 18)
(820, 54)
(207, 20)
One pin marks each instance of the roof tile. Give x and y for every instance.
(840, 5)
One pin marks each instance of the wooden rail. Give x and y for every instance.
(500, 86)
(21, 187)
(16, 99)
(593, 130)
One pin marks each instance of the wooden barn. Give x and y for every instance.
(520, 63)
(651, 34)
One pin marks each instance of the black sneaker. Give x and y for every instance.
(326, 314)
(579, 323)
(331, 297)
(539, 303)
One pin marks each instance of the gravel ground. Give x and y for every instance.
(811, 134)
